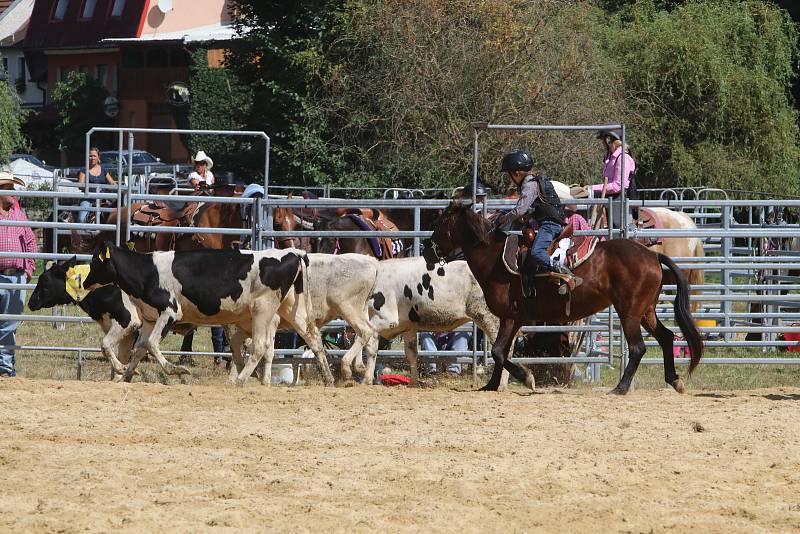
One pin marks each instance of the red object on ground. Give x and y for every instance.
(395, 380)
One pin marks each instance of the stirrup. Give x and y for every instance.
(570, 280)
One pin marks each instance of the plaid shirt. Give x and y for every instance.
(17, 239)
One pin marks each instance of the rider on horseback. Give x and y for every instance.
(538, 199)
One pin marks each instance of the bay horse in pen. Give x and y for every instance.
(620, 272)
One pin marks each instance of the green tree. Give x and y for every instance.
(221, 102)
(12, 117)
(279, 40)
(79, 101)
(709, 83)
(402, 82)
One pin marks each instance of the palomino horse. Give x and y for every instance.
(620, 272)
(680, 247)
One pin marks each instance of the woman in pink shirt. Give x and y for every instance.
(613, 176)
(612, 166)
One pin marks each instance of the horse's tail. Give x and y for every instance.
(683, 315)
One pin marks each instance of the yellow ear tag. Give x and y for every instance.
(131, 246)
(105, 254)
(74, 283)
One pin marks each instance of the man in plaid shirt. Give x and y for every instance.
(13, 270)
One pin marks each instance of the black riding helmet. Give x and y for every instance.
(517, 160)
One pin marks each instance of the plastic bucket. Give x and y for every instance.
(282, 374)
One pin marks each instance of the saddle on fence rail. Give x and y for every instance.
(649, 220)
(162, 214)
(382, 247)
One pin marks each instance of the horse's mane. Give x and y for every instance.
(475, 223)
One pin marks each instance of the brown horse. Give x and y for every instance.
(345, 245)
(620, 272)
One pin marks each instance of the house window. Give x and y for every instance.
(21, 69)
(62, 73)
(117, 7)
(88, 9)
(102, 75)
(60, 9)
(83, 69)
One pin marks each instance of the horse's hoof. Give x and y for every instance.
(618, 391)
(489, 387)
(127, 377)
(530, 382)
(678, 386)
(349, 383)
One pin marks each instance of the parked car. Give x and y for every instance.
(30, 158)
(141, 158)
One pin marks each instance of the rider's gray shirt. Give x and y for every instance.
(528, 192)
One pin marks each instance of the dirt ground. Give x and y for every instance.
(78, 456)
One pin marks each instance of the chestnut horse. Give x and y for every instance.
(620, 272)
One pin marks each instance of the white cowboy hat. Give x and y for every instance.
(8, 178)
(201, 156)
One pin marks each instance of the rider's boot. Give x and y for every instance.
(574, 281)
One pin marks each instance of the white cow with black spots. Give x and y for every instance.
(411, 296)
(339, 286)
(251, 290)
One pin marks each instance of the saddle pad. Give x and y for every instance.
(649, 220)
(374, 243)
(580, 250)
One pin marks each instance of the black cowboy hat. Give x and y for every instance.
(605, 134)
(480, 191)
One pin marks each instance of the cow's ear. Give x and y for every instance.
(102, 253)
(72, 261)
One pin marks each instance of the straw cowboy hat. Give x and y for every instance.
(8, 178)
(201, 156)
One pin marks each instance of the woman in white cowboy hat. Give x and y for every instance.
(202, 174)
(13, 270)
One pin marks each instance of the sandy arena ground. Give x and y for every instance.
(145, 457)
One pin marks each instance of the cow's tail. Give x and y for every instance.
(302, 288)
(683, 316)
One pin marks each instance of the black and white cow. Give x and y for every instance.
(411, 296)
(248, 289)
(339, 286)
(111, 309)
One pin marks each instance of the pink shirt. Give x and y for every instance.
(612, 166)
(17, 239)
(578, 222)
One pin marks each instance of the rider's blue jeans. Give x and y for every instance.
(548, 231)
